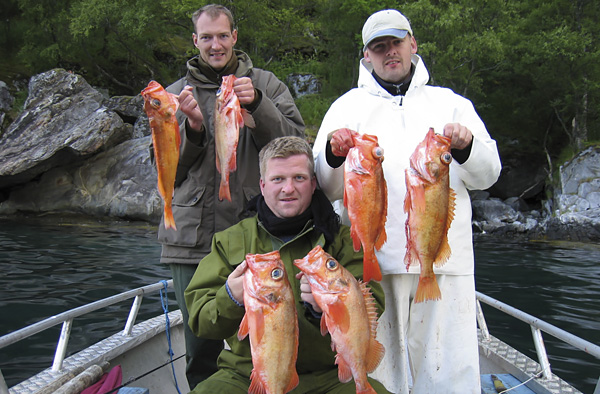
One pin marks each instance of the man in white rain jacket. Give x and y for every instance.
(430, 346)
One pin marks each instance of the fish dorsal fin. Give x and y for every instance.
(344, 371)
(247, 119)
(444, 250)
(376, 349)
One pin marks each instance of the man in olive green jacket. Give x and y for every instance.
(293, 217)
(197, 210)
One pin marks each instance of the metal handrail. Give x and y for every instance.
(66, 318)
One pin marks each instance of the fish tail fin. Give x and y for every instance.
(371, 269)
(168, 217)
(224, 192)
(427, 289)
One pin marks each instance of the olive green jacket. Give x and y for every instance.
(213, 314)
(197, 210)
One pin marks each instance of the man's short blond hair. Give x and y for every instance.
(214, 11)
(284, 147)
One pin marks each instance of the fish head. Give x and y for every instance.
(431, 159)
(268, 275)
(158, 102)
(225, 93)
(365, 155)
(323, 271)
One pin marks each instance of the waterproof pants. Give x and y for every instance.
(431, 347)
(201, 354)
(227, 381)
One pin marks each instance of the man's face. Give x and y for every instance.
(215, 40)
(288, 185)
(390, 57)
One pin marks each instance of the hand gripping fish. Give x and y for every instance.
(229, 117)
(430, 204)
(272, 323)
(349, 315)
(365, 198)
(160, 106)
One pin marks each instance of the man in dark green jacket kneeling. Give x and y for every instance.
(293, 217)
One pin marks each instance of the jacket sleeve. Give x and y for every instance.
(343, 251)
(482, 169)
(212, 313)
(276, 114)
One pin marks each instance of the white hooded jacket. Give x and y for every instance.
(400, 123)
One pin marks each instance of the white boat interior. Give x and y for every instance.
(152, 353)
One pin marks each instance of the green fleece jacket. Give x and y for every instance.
(213, 314)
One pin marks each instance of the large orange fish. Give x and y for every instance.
(430, 204)
(272, 323)
(229, 117)
(365, 198)
(349, 315)
(160, 106)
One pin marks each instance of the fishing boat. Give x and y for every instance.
(151, 354)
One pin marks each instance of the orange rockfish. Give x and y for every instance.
(229, 117)
(429, 203)
(349, 315)
(160, 106)
(272, 323)
(365, 198)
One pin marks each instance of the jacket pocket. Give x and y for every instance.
(187, 212)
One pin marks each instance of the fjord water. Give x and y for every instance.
(47, 267)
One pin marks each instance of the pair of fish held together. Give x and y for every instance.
(365, 198)
(430, 205)
(349, 316)
(161, 106)
(229, 117)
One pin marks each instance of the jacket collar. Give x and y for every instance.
(196, 77)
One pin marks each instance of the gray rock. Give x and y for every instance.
(303, 84)
(6, 99)
(63, 121)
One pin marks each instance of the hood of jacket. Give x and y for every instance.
(368, 82)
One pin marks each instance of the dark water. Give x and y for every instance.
(47, 268)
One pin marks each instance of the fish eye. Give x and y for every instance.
(277, 274)
(446, 158)
(155, 103)
(378, 152)
(331, 264)
(219, 91)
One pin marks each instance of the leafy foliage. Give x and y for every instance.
(530, 67)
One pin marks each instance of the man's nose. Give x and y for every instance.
(288, 187)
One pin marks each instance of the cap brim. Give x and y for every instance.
(386, 33)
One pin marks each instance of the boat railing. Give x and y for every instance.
(66, 318)
(537, 326)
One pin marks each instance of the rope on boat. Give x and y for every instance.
(537, 375)
(164, 300)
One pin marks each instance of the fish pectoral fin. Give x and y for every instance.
(257, 320)
(344, 371)
(324, 328)
(294, 381)
(243, 330)
(338, 312)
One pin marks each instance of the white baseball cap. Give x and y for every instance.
(385, 23)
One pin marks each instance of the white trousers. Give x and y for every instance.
(430, 347)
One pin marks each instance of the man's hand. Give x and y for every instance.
(189, 106)
(306, 292)
(461, 136)
(244, 89)
(235, 280)
(341, 142)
